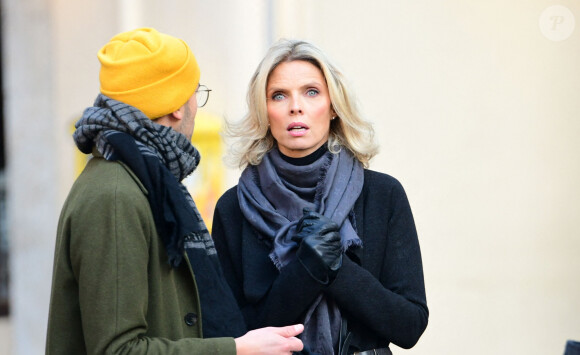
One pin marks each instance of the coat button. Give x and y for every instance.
(190, 319)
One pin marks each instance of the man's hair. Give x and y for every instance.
(252, 136)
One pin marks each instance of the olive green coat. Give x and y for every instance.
(113, 291)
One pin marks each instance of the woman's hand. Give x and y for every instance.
(270, 341)
(320, 247)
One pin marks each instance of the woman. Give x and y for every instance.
(309, 234)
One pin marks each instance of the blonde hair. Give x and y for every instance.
(252, 136)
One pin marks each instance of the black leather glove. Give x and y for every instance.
(320, 247)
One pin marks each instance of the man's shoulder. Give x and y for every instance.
(103, 179)
(102, 171)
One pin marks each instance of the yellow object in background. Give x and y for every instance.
(80, 158)
(206, 184)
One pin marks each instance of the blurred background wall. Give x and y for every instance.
(476, 110)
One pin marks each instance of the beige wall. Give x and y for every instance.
(475, 110)
(478, 114)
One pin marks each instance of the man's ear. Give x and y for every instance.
(178, 115)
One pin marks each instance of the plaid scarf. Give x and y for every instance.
(161, 157)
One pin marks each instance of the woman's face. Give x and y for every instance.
(299, 110)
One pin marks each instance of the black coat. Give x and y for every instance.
(379, 288)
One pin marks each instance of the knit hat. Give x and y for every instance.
(151, 71)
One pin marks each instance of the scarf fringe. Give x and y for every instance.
(274, 258)
(320, 182)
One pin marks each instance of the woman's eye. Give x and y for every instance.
(312, 92)
(277, 97)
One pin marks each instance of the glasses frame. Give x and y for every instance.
(202, 95)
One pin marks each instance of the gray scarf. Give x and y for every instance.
(271, 198)
(172, 148)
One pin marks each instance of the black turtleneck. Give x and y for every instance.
(309, 159)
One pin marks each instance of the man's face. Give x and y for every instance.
(187, 123)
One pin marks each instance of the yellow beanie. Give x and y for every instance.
(151, 71)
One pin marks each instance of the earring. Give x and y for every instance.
(333, 118)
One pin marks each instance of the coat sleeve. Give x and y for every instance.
(109, 256)
(392, 303)
(289, 294)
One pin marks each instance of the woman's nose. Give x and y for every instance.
(295, 106)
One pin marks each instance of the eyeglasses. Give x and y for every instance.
(202, 95)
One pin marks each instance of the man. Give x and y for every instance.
(135, 269)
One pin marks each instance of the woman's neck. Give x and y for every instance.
(309, 159)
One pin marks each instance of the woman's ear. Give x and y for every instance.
(332, 112)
